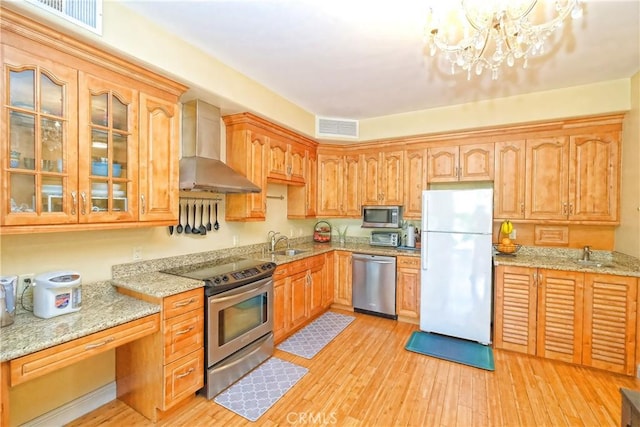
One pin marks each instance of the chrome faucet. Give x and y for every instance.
(278, 240)
(586, 253)
(274, 240)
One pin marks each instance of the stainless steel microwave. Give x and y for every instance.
(381, 216)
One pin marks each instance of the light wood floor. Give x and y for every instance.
(365, 377)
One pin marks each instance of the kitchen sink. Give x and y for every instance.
(289, 252)
(593, 264)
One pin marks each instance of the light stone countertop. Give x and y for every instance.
(566, 259)
(102, 308)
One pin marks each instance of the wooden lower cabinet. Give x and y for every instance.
(408, 289)
(299, 294)
(157, 372)
(342, 297)
(581, 318)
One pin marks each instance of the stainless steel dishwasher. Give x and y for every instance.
(374, 285)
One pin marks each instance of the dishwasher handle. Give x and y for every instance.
(374, 258)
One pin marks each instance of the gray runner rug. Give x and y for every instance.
(308, 341)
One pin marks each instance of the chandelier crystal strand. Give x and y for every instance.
(474, 35)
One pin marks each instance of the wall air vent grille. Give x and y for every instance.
(328, 127)
(86, 13)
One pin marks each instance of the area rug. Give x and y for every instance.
(453, 349)
(256, 392)
(308, 341)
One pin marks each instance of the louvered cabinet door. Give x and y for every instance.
(560, 303)
(515, 309)
(610, 322)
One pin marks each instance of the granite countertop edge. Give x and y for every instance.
(102, 308)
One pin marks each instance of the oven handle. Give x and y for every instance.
(242, 290)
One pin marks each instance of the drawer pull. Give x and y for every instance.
(189, 372)
(184, 331)
(184, 303)
(99, 344)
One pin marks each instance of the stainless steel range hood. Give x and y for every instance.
(200, 166)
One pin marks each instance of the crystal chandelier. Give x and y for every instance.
(475, 35)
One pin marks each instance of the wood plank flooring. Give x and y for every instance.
(365, 377)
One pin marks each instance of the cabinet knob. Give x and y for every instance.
(522, 208)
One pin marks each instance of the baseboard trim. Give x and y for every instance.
(76, 408)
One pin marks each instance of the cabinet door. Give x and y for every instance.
(281, 309)
(515, 309)
(159, 159)
(316, 286)
(278, 164)
(443, 164)
(370, 168)
(351, 190)
(476, 162)
(328, 279)
(594, 177)
(247, 154)
(560, 311)
(311, 184)
(342, 282)
(546, 178)
(297, 162)
(415, 182)
(391, 179)
(408, 287)
(108, 151)
(509, 183)
(330, 178)
(299, 294)
(609, 335)
(39, 140)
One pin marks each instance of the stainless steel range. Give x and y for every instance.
(238, 317)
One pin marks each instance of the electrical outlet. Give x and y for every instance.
(512, 235)
(235, 240)
(137, 253)
(25, 281)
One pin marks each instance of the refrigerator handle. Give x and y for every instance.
(423, 257)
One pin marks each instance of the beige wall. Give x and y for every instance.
(628, 234)
(93, 253)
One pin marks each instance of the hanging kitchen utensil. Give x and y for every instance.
(187, 229)
(209, 215)
(171, 230)
(203, 228)
(194, 229)
(216, 225)
(179, 228)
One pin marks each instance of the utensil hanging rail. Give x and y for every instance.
(280, 197)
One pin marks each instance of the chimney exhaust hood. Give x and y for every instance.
(200, 166)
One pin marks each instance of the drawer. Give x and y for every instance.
(51, 359)
(183, 334)
(182, 302)
(281, 271)
(408, 262)
(298, 266)
(183, 377)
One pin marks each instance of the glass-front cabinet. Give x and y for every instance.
(40, 141)
(108, 149)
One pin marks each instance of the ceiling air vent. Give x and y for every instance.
(328, 127)
(86, 13)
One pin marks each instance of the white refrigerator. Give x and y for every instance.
(456, 257)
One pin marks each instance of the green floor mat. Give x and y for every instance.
(453, 349)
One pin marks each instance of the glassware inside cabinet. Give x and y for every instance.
(22, 193)
(108, 198)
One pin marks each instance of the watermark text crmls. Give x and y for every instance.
(312, 418)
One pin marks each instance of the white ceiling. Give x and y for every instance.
(358, 59)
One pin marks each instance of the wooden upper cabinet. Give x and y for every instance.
(302, 199)
(415, 181)
(573, 178)
(286, 161)
(509, 183)
(594, 177)
(547, 177)
(247, 154)
(108, 151)
(339, 185)
(159, 133)
(472, 162)
(382, 178)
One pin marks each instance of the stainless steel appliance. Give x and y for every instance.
(384, 238)
(238, 317)
(8, 294)
(374, 285)
(381, 216)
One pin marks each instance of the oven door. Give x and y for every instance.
(238, 317)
